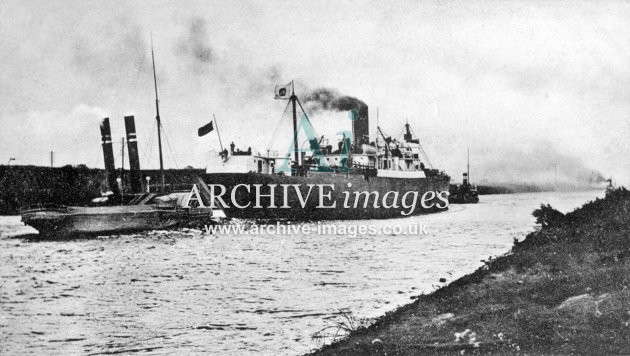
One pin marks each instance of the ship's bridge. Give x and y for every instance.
(240, 162)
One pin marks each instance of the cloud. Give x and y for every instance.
(73, 135)
(111, 53)
(464, 74)
(195, 46)
(537, 162)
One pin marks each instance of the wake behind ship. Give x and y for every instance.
(361, 179)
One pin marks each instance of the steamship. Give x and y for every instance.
(126, 208)
(465, 193)
(123, 209)
(375, 175)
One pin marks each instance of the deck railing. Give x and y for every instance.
(44, 207)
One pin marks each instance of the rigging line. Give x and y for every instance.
(169, 145)
(170, 148)
(307, 119)
(135, 85)
(275, 132)
(147, 147)
(100, 154)
(400, 134)
(116, 151)
(424, 154)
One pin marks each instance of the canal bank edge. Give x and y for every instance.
(564, 289)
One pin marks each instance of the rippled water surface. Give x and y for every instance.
(191, 292)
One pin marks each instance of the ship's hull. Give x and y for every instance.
(340, 190)
(465, 199)
(463, 195)
(109, 219)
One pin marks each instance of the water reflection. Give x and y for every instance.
(189, 292)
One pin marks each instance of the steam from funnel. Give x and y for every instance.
(538, 162)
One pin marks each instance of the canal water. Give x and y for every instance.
(233, 293)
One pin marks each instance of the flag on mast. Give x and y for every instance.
(205, 129)
(283, 91)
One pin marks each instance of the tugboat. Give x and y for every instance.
(361, 179)
(119, 212)
(465, 193)
(610, 188)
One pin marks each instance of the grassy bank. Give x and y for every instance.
(69, 185)
(564, 289)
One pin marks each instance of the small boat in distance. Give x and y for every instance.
(465, 193)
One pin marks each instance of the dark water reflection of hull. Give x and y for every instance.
(341, 182)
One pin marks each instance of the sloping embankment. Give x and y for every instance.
(565, 289)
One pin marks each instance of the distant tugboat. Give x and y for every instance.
(464, 193)
(120, 212)
(610, 188)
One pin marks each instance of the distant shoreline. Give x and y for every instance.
(514, 188)
(75, 185)
(67, 185)
(562, 290)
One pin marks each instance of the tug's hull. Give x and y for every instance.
(109, 219)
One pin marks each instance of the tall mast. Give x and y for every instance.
(157, 116)
(122, 164)
(468, 164)
(295, 139)
(385, 140)
(218, 134)
(377, 149)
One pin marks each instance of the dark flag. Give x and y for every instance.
(206, 129)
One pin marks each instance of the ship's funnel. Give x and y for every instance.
(408, 136)
(134, 159)
(465, 180)
(108, 155)
(361, 128)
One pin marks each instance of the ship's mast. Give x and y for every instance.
(378, 164)
(468, 164)
(295, 141)
(386, 143)
(157, 116)
(218, 134)
(122, 155)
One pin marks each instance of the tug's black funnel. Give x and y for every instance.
(134, 158)
(108, 155)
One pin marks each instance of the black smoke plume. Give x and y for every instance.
(324, 99)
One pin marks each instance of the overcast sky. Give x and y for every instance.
(527, 85)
